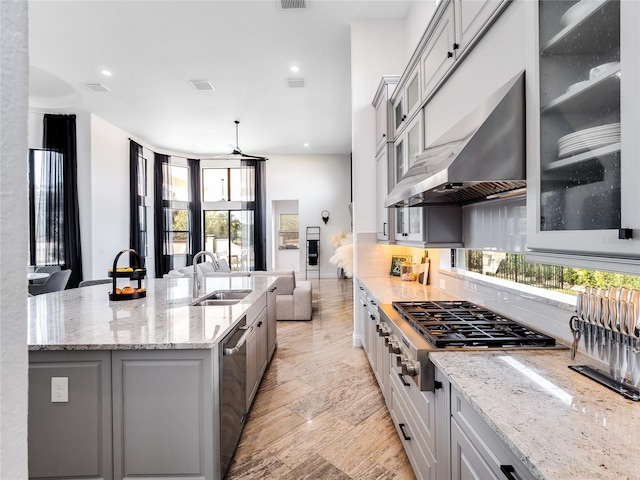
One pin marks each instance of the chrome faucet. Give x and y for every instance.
(196, 280)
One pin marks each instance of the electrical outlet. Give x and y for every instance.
(443, 285)
(59, 389)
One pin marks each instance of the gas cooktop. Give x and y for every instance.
(464, 324)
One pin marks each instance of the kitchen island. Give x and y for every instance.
(140, 394)
(524, 408)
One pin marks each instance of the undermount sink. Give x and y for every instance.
(215, 301)
(222, 297)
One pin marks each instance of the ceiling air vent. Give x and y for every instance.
(96, 87)
(202, 85)
(291, 4)
(295, 82)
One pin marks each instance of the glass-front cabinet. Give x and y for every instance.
(407, 147)
(577, 150)
(406, 100)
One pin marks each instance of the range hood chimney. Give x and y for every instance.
(481, 156)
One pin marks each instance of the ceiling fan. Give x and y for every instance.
(237, 153)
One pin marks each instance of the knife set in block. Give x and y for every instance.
(608, 323)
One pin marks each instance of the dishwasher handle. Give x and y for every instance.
(241, 341)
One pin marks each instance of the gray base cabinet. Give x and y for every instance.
(476, 450)
(164, 414)
(272, 322)
(257, 348)
(130, 414)
(71, 439)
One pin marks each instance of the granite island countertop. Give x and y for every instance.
(560, 424)
(85, 319)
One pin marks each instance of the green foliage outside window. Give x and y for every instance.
(217, 224)
(514, 267)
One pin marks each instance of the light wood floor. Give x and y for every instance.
(319, 413)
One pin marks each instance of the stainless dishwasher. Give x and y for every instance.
(233, 381)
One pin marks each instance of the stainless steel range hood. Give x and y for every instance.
(482, 156)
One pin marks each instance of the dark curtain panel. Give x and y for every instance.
(135, 151)
(195, 208)
(60, 135)
(259, 219)
(162, 260)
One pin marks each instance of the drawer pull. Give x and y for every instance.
(404, 382)
(401, 425)
(509, 472)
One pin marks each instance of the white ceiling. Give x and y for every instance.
(244, 48)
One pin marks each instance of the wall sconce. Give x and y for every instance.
(325, 216)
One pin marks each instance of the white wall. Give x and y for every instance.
(317, 182)
(109, 198)
(13, 232)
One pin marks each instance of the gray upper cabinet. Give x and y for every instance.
(457, 25)
(471, 18)
(384, 154)
(438, 54)
(406, 101)
(383, 110)
(582, 130)
(382, 190)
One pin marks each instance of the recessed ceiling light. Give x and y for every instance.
(106, 73)
(306, 144)
(295, 68)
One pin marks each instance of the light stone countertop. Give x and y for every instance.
(559, 423)
(85, 319)
(387, 289)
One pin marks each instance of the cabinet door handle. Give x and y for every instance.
(509, 471)
(384, 135)
(404, 117)
(404, 382)
(449, 54)
(260, 323)
(456, 46)
(384, 228)
(402, 425)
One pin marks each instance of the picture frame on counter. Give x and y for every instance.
(396, 261)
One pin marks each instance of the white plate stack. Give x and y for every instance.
(588, 139)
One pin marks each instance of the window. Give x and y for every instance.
(46, 208)
(228, 202)
(143, 204)
(224, 185)
(515, 268)
(175, 199)
(229, 234)
(288, 231)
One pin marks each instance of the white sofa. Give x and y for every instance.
(294, 299)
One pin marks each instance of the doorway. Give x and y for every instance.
(286, 235)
